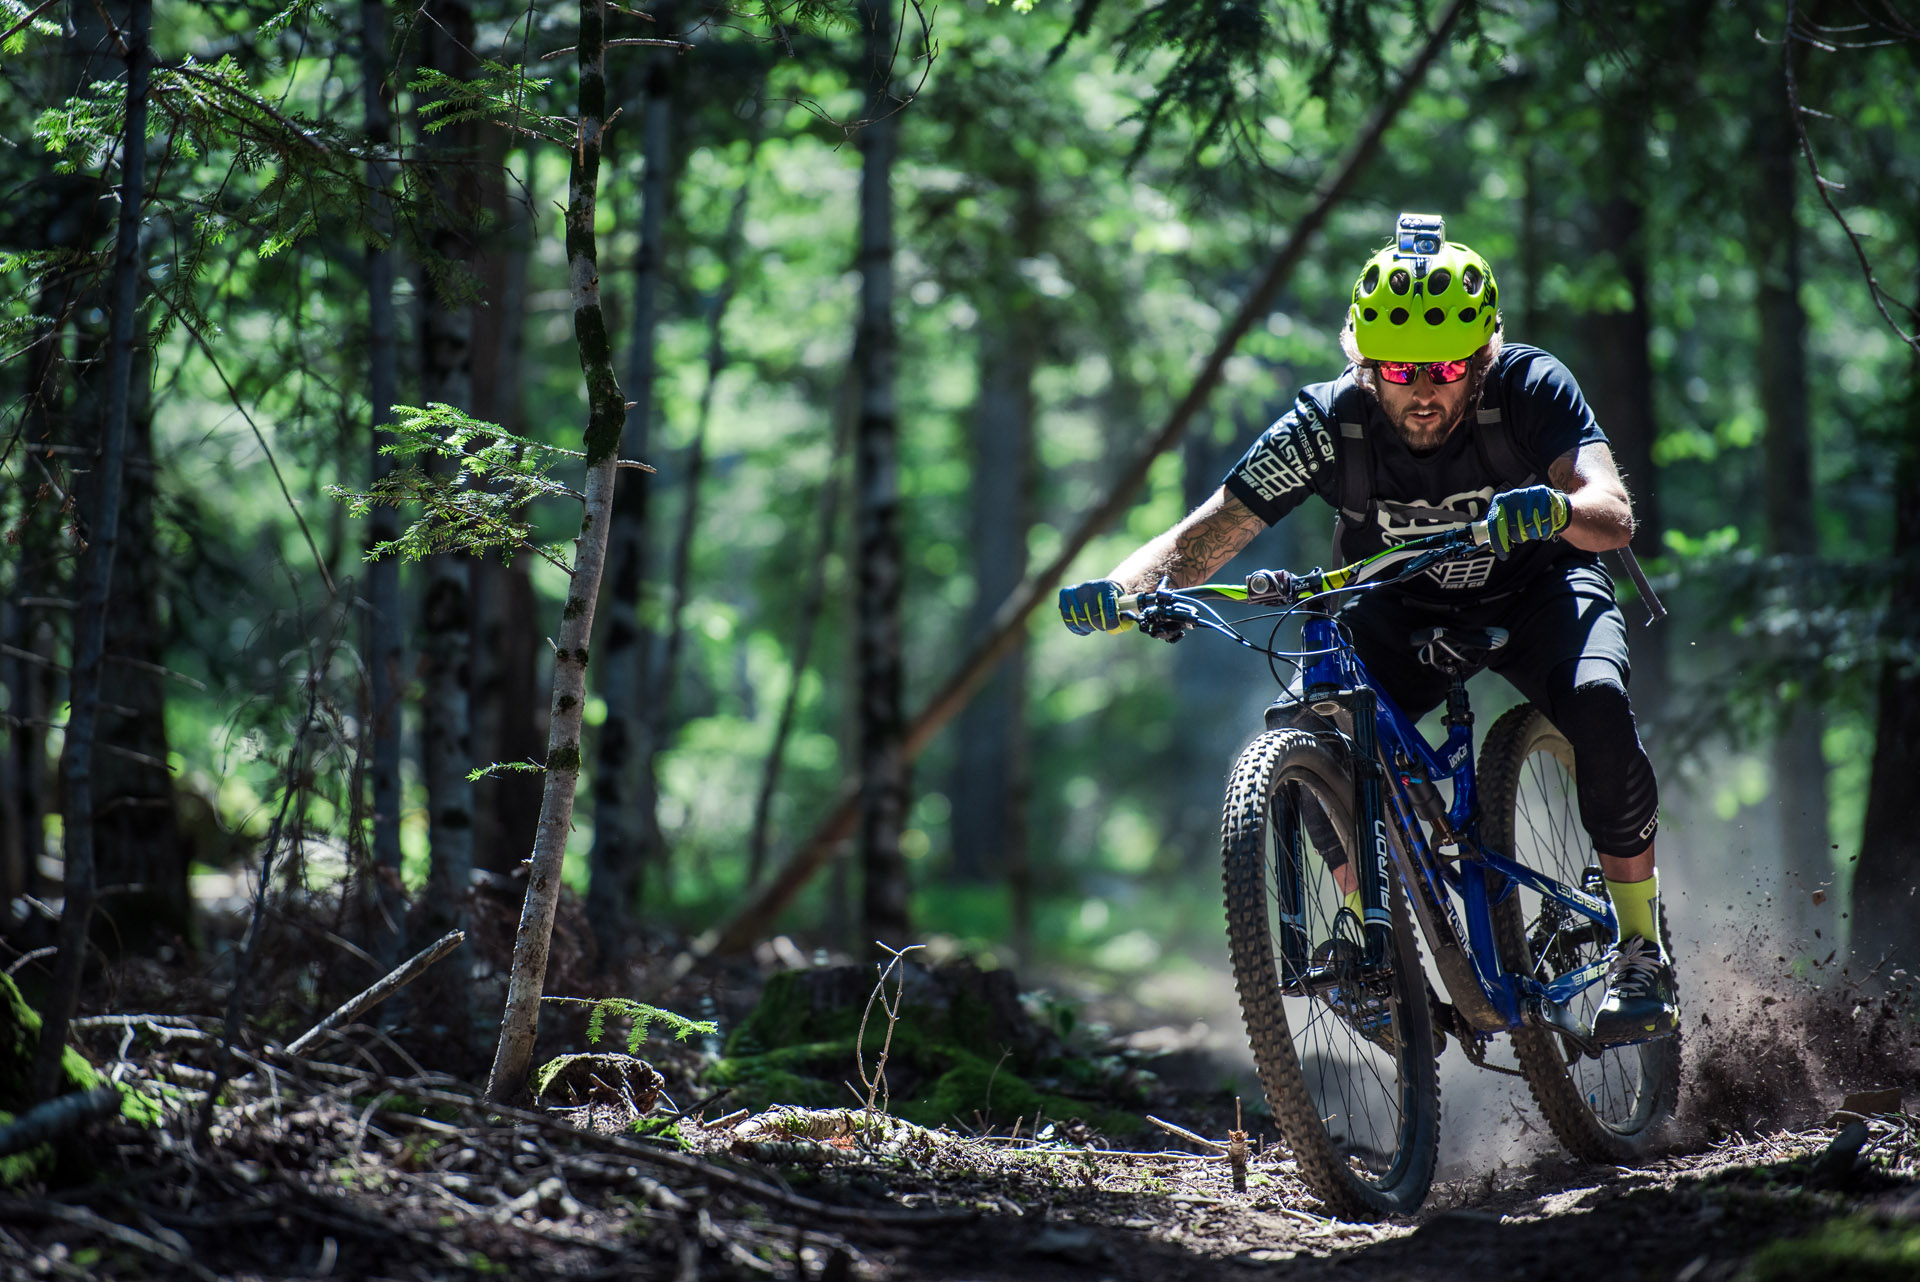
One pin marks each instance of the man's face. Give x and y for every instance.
(1423, 412)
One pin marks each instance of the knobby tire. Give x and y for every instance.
(1607, 1110)
(1362, 1119)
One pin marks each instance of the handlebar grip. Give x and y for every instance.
(1482, 533)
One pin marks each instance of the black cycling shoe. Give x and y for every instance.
(1641, 1002)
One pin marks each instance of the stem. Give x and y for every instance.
(91, 629)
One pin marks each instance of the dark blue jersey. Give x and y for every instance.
(1541, 410)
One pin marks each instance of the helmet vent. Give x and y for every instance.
(1466, 315)
(1493, 294)
(1437, 283)
(1398, 315)
(1435, 315)
(1470, 279)
(1399, 280)
(1370, 316)
(1371, 281)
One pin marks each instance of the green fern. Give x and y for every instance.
(642, 1015)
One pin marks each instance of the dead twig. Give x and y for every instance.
(877, 1084)
(397, 979)
(16, 1209)
(1219, 1150)
(1237, 1150)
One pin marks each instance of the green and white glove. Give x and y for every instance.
(1525, 516)
(1093, 606)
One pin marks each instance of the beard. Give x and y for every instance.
(1425, 440)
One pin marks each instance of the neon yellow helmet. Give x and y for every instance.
(1439, 305)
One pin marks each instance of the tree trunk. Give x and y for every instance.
(507, 644)
(1799, 766)
(1010, 621)
(1886, 881)
(877, 550)
(385, 646)
(626, 833)
(989, 786)
(446, 331)
(1620, 384)
(606, 411)
(142, 862)
(97, 568)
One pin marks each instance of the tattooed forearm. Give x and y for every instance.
(1191, 551)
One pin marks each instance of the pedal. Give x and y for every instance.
(1553, 1015)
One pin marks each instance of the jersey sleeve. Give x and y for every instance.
(1291, 460)
(1555, 419)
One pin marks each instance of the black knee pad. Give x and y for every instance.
(1619, 798)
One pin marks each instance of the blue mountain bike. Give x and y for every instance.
(1339, 795)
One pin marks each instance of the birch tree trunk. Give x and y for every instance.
(103, 531)
(625, 825)
(877, 551)
(606, 411)
(385, 647)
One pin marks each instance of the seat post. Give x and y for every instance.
(1458, 711)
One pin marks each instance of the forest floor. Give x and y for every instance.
(366, 1165)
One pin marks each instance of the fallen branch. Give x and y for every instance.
(699, 1168)
(1219, 1150)
(397, 979)
(56, 1117)
(13, 1210)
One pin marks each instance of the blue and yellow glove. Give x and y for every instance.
(1525, 516)
(1093, 606)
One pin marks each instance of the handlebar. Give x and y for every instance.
(1286, 589)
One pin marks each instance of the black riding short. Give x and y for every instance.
(1565, 615)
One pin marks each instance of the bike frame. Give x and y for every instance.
(1383, 736)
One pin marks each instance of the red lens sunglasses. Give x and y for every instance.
(1404, 372)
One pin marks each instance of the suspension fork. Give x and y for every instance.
(1370, 846)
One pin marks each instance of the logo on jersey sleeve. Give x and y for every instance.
(1397, 525)
(1287, 457)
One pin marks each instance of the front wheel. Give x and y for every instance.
(1609, 1109)
(1346, 1057)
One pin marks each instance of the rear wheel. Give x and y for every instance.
(1346, 1057)
(1609, 1109)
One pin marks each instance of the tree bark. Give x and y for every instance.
(103, 530)
(740, 930)
(606, 411)
(1620, 384)
(989, 798)
(506, 634)
(446, 658)
(142, 863)
(1886, 881)
(877, 551)
(384, 631)
(1799, 765)
(626, 832)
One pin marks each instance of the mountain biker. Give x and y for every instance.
(1435, 422)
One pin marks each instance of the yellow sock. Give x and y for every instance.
(1352, 898)
(1633, 907)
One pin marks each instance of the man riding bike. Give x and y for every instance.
(1437, 422)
